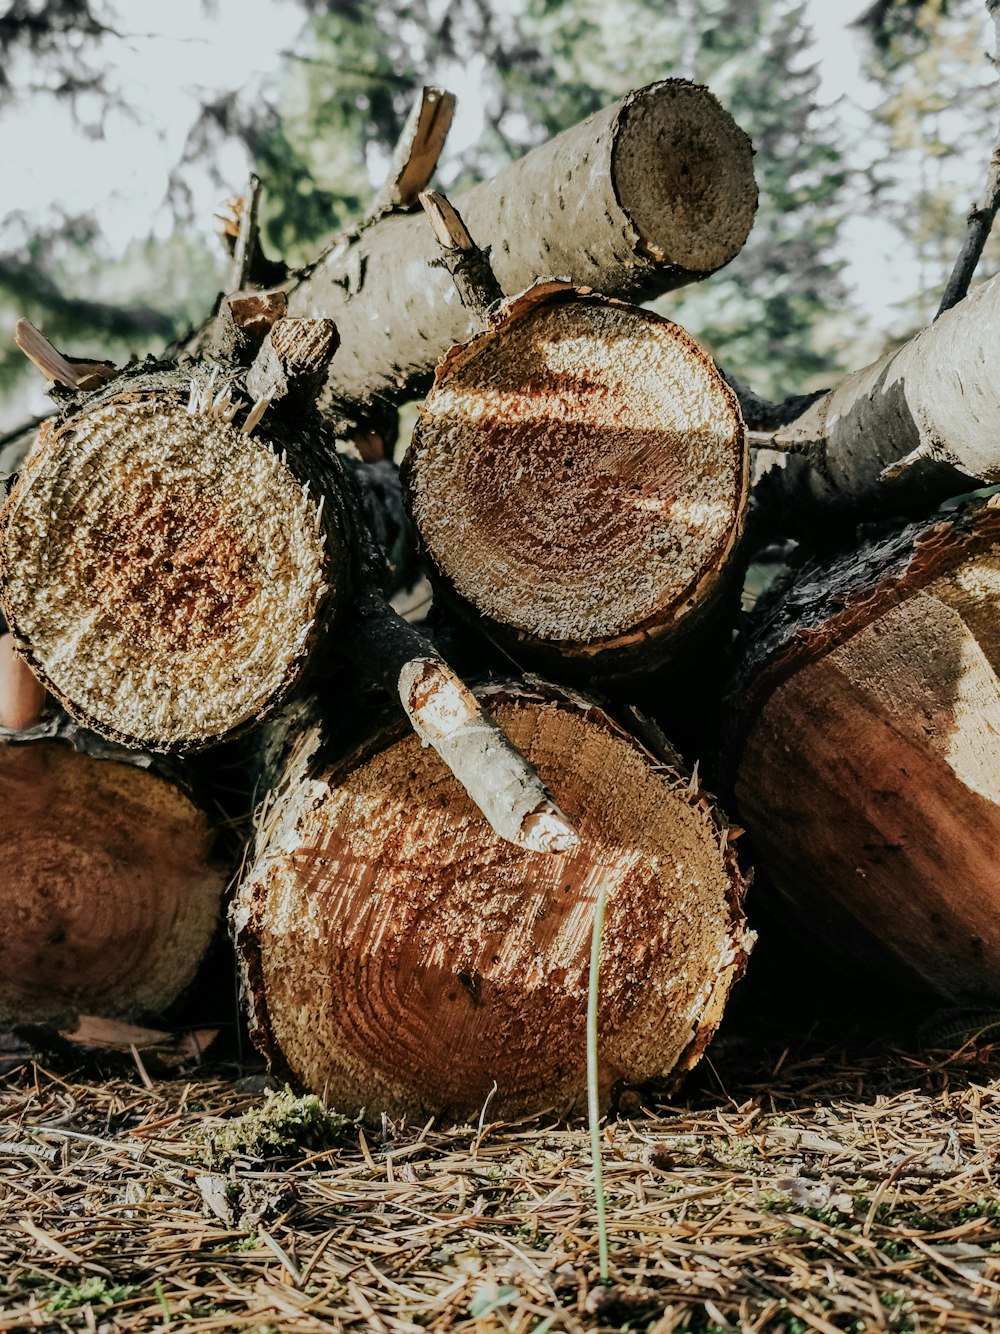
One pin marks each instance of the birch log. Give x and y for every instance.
(644, 196)
(916, 426)
(399, 956)
(865, 752)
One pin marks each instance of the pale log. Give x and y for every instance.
(399, 956)
(644, 196)
(916, 426)
(865, 753)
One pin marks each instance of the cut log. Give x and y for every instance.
(579, 477)
(399, 956)
(644, 196)
(172, 552)
(865, 752)
(916, 426)
(109, 888)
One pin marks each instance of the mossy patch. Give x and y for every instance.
(283, 1126)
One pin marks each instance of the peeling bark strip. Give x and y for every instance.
(168, 559)
(22, 695)
(651, 193)
(579, 477)
(866, 757)
(109, 888)
(399, 956)
(918, 424)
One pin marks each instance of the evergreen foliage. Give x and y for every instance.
(938, 98)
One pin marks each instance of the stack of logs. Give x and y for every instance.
(189, 555)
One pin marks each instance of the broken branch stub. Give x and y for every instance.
(474, 279)
(399, 956)
(644, 196)
(578, 476)
(446, 715)
(416, 156)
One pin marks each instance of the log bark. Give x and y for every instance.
(902, 434)
(578, 476)
(109, 884)
(864, 751)
(644, 196)
(398, 956)
(173, 551)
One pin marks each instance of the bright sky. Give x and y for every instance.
(176, 56)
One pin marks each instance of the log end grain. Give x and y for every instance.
(109, 893)
(163, 571)
(400, 956)
(579, 475)
(683, 173)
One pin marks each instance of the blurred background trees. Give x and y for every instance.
(318, 121)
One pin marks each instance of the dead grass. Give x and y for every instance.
(822, 1191)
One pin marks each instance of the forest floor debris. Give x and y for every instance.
(798, 1189)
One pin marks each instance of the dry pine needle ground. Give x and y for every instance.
(800, 1192)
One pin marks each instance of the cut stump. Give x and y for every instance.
(578, 476)
(399, 956)
(165, 571)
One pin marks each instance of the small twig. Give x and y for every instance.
(980, 219)
(419, 147)
(246, 237)
(593, 1085)
(474, 279)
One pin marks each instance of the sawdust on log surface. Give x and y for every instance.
(791, 1190)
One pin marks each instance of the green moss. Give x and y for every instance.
(91, 1292)
(283, 1126)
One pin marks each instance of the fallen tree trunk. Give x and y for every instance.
(398, 956)
(178, 543)
(578, 476)
(644, 196)
(916, 426)
(109, 888)
(864, 751)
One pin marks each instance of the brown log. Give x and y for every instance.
(644, 196)
(175, 547)
(865, 752)
(578, 476)
(109, 885)
(399, 956)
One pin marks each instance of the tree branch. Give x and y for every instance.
(980, 220)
